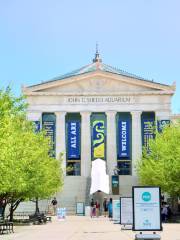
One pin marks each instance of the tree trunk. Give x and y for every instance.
(37, 207)
(3, 204)
(11, 213)
(13, 207)
(2, 211)
(174, 204)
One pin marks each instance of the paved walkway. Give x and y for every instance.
(83, 228)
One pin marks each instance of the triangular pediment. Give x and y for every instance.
(97, 82)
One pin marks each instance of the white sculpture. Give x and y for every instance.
(99, 178)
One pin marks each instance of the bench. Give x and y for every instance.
(38, 218)
(6, 227)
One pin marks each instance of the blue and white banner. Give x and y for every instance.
(37, 126)
(124, 138)
(148, 131)
(161, 124)
(73, 141)
(49, 127)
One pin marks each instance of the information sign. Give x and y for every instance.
(116, 210)
(80, 208)
(115, 184)
(146, 209)
(61, 213)
(126, 213)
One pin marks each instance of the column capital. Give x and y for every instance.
(111, 113)
(34, 115)
(162, 115)
(83, 113)
(136, 113)
(59, 113)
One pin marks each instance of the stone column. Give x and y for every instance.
(34, 116)
(111, 142)
(60, 137)
(85, 144)
(136, 139)
(160, 115)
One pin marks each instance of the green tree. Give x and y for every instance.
(161, 166)
(27, 171)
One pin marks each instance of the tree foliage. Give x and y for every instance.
(27, 170)
(161, 166)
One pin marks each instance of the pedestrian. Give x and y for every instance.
(164, 213)
(54, 204)
(92, 206)
(94, 211)
(169, 212)
(97, 208)
(105, 207)
(110, 208)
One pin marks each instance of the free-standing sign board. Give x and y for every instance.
(80, 208)
(147, 209)
(116, 210)
(126, 212)
(61, 213)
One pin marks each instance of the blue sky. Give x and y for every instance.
(41, 39)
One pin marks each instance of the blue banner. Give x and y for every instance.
(161, 124)
(124, 138)
(37, 126)
(73, 141)
(148, 131)
(49, 127)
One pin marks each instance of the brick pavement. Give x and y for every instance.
(83, 228)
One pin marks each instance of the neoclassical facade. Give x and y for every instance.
(98, 111)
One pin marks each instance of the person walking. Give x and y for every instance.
(92, 206)
(54, 204)
(97, 208)
(105, 207)
(164, 213)
(110, 208)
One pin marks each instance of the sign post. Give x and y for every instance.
(126, 213)
(147, 211)
(116, 211)
(61, 214)
(80, 209)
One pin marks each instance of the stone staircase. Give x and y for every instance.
(76, 189)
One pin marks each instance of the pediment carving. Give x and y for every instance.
(97, 85)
